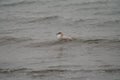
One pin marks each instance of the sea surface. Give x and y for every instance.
(29, 49)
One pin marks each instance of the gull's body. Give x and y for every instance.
(61, 36)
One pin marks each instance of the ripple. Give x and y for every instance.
(23, 2)
(109, 22)
(48, 73)
(81, 41)
(86, 3)
(46, 18)
(11, 40)
(5, 71)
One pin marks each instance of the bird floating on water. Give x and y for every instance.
(62, 37)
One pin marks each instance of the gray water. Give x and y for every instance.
(29, 49)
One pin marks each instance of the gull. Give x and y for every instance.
(62, 37)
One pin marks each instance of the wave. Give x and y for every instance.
(32, 72)
(17, 3)
(46, 72)
(83, 20)
(94, 2)
(109, 22)
(81, 41)
(86, 3)
(11, 40)
(49, 18)
(107, 13)
(112, 22)
(44, 44)
(6, 40)
(12, 70)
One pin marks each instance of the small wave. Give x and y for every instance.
(11, 40)
(55, 72)
(17, 3)
(33, 73)
(110, 22)
(86, 3)
(13, 70)
(90, 41)
(45, 43)
(47, 72)
(94, 2)
(82, 20)
(81, 41)
(43, 19)
(107, 13)
(109, 70)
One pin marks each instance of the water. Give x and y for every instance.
(29, 49)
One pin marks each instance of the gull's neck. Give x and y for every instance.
(59, 36)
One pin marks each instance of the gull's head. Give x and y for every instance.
(59, 33)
